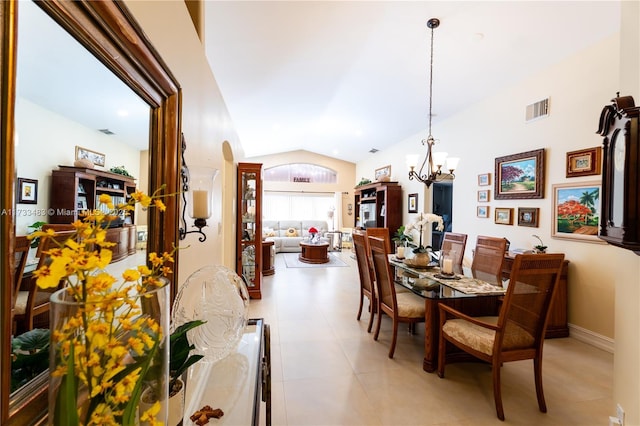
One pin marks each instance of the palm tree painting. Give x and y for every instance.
(577, 209)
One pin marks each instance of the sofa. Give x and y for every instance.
(287, 234)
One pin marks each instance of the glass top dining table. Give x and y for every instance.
(429, 282)
(472, 296)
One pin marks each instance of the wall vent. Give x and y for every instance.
(373, 150)
(537, 110)
(106, 131)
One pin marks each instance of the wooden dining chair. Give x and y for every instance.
(366, 277)
(453, 245)
(381, 233)
(488, 258)
(21, 253)
(35, 301)
(400, 307)
(517, 333)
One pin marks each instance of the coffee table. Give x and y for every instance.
(314, 252)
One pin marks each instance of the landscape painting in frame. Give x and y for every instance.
(520, 176)
(576, 211)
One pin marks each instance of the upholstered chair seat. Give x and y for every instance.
(482, 339)
(410, 306)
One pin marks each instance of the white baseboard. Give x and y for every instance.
(591, 338)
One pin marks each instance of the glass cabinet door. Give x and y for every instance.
(249, 245)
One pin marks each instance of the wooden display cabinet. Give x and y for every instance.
(378, 205)
(249, 227)
(75, 190)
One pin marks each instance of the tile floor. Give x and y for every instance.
(327, 370)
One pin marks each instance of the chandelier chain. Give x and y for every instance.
(431, 83)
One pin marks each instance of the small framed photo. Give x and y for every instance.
(413, 203)
(528, 216)
(584, 162)
(383, 171)
(576, 211)
(503, 216)
(520, 176)
(484, 179)
(27, 191)
(482, 211)
(95, 157)
(483, 196)
(82, 203)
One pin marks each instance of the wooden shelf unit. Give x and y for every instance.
(385, 198)
(77, 189)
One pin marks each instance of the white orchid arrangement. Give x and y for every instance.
(421, 222)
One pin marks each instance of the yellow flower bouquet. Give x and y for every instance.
(108, 335)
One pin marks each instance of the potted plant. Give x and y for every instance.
(402, 240)
(540, 248)
(180, 359)
(36, 226)
(29, 356)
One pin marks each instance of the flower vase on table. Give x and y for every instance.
(422, 256)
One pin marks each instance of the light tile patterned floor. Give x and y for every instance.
(327, 370)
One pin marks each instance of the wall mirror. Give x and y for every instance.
(107, 30)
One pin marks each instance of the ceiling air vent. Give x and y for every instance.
(537, 110)
(106, 131)
(373, 150)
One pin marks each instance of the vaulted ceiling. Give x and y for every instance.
(340, 78)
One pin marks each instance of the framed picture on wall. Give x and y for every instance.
(482, 211)
(27, 191)
(576, 211)
(520, 176)
(484, 179)
(528, 216)
(413, 203)
(93, 156)
(382, 172)
(584, 162)
(504, 216)
(483, 196)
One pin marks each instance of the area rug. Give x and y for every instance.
(292, 261)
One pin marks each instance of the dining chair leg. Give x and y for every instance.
(442, 346)
(372, 313)
(360, 307)
(378, 321)
(537, 367)
(497, 394)
(392, 349)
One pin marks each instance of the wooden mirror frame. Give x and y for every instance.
(107, 29)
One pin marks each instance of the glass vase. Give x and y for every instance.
(104, 354)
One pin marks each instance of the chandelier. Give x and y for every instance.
(433, 164)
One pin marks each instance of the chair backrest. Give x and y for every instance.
(381, 233)
(453, 245)
(525, 307)
(21, 252)
(383, 276)
(362, 258)
(488, 259)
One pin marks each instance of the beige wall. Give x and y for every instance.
(345, 170)
(205, 121)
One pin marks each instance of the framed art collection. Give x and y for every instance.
(520, 176)
(576, 211)
(528, 216)
(584, 162)
(413, 203)
(27, 191)
(503, 216)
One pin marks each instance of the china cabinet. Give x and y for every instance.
(249, 227)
